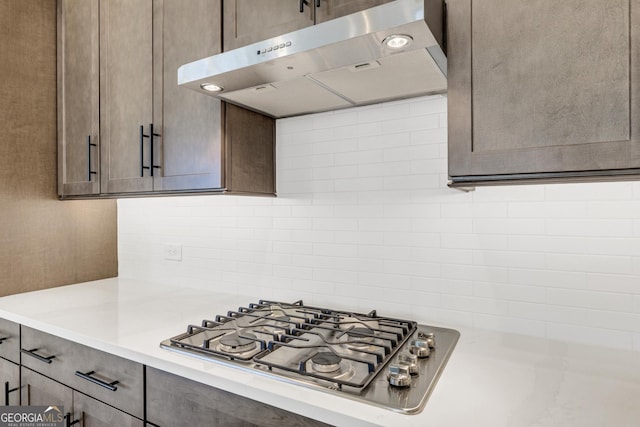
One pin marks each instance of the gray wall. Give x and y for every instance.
(43, 242)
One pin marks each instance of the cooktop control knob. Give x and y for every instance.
(399, 375)
(420, 348)
(429, 337)
(411, 360)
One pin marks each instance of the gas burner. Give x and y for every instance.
(361, 338)
(325, 366)
(387, 362)
(361, 334)
(325, 362)
(234, 343)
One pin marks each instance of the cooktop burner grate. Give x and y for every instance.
(333, 350)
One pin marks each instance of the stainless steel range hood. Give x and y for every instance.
(336, 64)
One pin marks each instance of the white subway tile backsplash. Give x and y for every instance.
(590, 192)
(527, 310)
(507, 226)
(547, 209)
(363, 220)
(426, 106)
(411, 124)
(589, 299)
(548, 278)
(613, 283)
(614, 209)
(548, 244)
(590, 263)
(613, 320)
(590, 227)
(479, 273)
(509, 292)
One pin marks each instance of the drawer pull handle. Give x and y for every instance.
(33, 353)
(87, 376)
(8, 390)
(3, 338)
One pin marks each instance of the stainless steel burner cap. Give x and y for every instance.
(233, 343)
(325, 362)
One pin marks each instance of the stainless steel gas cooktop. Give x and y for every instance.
(382, 361)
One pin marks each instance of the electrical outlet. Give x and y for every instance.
(173, 252)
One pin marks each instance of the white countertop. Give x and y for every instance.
(492, 379)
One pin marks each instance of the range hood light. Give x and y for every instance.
(397, 41)
(211, 87)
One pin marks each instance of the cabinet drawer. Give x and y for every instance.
(10, 344)
(86, 369)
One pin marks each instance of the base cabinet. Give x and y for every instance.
(9, 363)
(88, 412)
(176, 401)
(109, 378)
(77, 379)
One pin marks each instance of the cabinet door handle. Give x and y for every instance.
(87, 376)
(32, 353)
(302, 4)
(68, 422)
(3, 338)
(142, 137)
(152, 135)
(89, 145)
(7, 391)
(317, 3)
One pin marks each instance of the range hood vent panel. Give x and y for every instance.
(284, 99)
(398, 76)
(335, 64)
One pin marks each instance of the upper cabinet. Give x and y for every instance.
(543, 89)
(190, 146)
(157, 136)
(78, 94)
(250, 21)
(327, 10)
(126, 89)
(136, 131)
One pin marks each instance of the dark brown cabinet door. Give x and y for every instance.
(332, 9)
(250, 21)
(188, 148)
(126, 94)
(9, 382)
(551, 87)
(78, 102)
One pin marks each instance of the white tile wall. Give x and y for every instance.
(364, 220)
